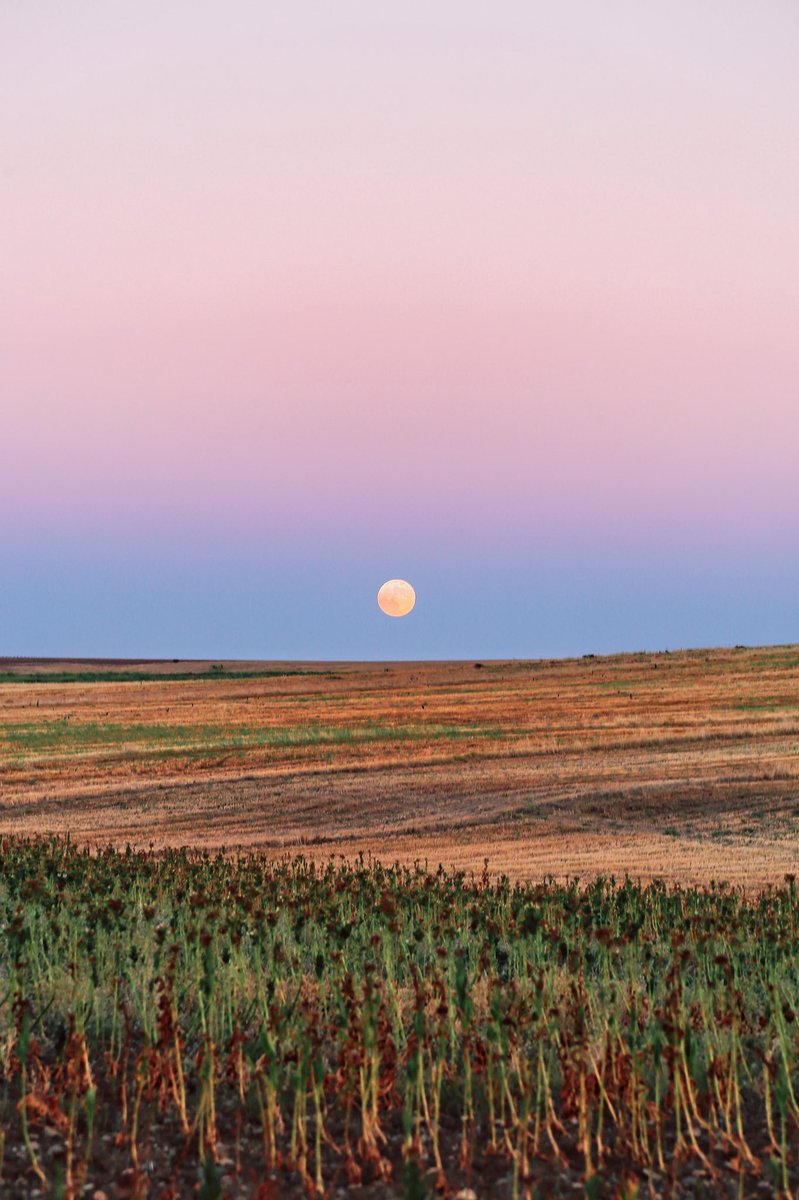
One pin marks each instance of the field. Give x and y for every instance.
(523, 929)
(181, 1024)
(678, 766)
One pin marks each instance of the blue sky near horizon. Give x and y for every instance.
(224, 604)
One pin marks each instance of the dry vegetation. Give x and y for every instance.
(682, 766)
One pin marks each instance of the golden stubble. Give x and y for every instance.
(682, 766)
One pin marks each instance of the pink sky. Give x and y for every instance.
(471, 274)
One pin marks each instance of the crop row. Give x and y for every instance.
(267, 1022)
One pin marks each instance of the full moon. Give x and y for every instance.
(396, 598)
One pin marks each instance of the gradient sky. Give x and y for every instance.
(294, 298)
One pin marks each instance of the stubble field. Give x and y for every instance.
(679, 766)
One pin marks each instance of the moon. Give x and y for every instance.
(396, 598)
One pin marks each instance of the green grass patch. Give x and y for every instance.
(71, 737)
(214, 673)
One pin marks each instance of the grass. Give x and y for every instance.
(122, 676)
(71, 737)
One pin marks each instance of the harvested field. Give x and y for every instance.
(682, 766)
